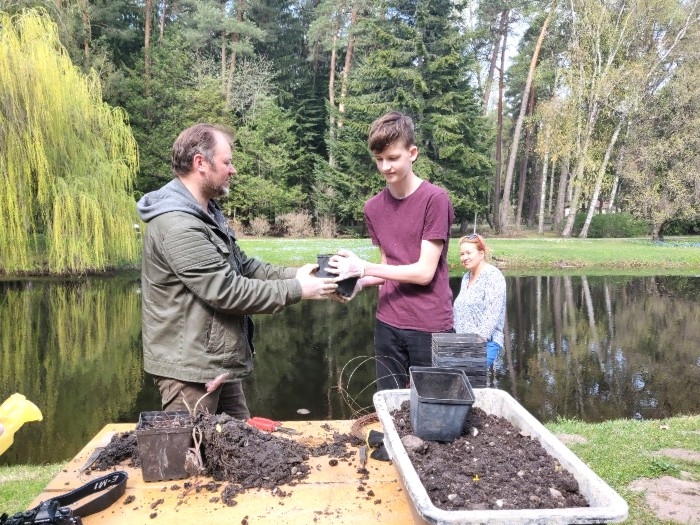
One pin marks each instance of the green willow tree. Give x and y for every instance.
(68, 159)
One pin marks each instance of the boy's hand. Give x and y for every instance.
(346, 264)
(347, 298)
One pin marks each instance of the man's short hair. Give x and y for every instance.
(389, 129)
(199, 139)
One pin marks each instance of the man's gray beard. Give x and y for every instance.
(216, 192)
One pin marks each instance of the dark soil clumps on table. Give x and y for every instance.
(492, 465)
(121, 449)
(235, 452)
(248, 458)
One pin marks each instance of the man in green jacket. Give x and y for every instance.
(198, 288)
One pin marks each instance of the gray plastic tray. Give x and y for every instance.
(606, 505)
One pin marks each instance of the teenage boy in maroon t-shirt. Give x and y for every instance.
(409, 220)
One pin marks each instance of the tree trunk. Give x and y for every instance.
(543, 185)
(599, 179)
(161, 20)
(519, 122)
(551, 190)
(578, 172)
(147, 44)
(348, 62)
(87, 27)
(502, 28)
(534, 194)
(522, 179)
(331, 99)
(616, 183)
(224, 87)
(522, 183)
(561, 194)
(613, 191)
(235, 38)
(497, 200)
(222, 60)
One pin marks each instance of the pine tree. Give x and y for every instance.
(415, 61)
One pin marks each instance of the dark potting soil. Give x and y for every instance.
(492, 465)
(233, 452)
(499, 467)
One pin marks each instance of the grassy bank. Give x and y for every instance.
(522, 255)
(624, 450)
(618, 451)
(679, 255)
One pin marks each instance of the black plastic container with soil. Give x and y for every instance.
(163, 439)
(346, 286)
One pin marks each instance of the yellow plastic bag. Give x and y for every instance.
(15, 412)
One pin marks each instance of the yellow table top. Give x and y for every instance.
(330, 494)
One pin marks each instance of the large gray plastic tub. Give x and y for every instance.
(606, 506)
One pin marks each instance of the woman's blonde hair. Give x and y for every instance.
(475, 238)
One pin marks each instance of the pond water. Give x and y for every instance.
(593, 348)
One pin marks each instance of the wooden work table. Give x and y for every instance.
(330, 494)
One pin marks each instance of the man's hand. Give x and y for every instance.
(313, 287)
(346, 264)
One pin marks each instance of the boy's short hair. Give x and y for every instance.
(389, 129)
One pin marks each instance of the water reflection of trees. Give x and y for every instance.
(68, 347)
(593, 348)
(598, 348)
(301, 354)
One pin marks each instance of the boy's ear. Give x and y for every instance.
(413, 150)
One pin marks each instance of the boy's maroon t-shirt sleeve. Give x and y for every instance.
(439, 216)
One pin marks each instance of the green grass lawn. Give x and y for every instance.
(622, 451)
(541, 254)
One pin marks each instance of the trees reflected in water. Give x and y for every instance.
(69, 348)
(599, 348)
(592, 348)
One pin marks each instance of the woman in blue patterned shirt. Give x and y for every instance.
(480, 307)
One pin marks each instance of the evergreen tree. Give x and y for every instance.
(177, 98)
(455, 137)
(415, 61)
(117, 28)
(301, 85)
(264, 156)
